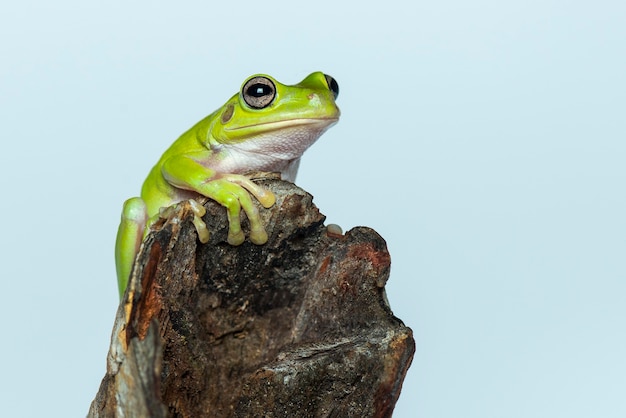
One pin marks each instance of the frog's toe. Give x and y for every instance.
(235, 237)
(267, 199)
(198, 212)
(201, 229)
(258, 236)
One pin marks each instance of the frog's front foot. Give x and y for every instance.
(234, 204)
(234, 192)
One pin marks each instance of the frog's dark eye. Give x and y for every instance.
(258, 92)
(332, 85)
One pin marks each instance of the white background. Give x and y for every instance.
(484, 140)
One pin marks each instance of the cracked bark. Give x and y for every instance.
(297, 327)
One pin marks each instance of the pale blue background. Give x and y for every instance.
(484, 140)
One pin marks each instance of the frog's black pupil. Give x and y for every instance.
(259, 90)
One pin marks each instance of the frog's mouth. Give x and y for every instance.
(283, 124)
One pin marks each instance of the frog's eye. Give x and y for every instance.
(332, 85)
(258, 92)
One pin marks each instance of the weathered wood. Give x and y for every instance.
(297, 327)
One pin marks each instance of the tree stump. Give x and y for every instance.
(297, 327)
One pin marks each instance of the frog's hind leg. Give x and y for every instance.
(129, 237)
(198, 212)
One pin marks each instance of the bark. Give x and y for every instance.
(297, 327)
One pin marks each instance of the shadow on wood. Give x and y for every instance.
(297, 327)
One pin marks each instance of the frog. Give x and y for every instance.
(265, 127)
